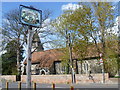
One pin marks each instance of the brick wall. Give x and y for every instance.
(95, 78)
(8, 77)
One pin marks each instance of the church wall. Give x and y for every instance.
(89, 66)
(80, 67)
(59, 68)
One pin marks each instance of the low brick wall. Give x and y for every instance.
(93, 78)
(49, 78)
(8, 77)
(80, 78)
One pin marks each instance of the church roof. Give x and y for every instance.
(47, 58)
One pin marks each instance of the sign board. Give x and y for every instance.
(30, 16)
(101, 61)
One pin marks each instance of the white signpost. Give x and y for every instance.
(31, 17)
(101, 62)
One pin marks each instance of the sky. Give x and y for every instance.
(60, 0)
(55, 7)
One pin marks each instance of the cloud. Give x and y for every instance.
(47, 21)
(114, 29)
(5, 21)
(113, 7)
(70, 6)
(46, 25)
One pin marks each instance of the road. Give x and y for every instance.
(67, 86)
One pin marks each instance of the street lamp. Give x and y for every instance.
(33, 18)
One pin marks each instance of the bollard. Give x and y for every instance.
(19, 85)
(71, 88)
(53, 86)
(34, 86)
(7, 85)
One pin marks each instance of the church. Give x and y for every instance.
(46, 62)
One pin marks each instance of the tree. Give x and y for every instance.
(9, 59)
(77, 23)
(111, 63)
(13, 30)
(89, 25)
(105, 18)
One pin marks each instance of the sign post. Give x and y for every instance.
(103, 72)
(29, 45)
(32, 18)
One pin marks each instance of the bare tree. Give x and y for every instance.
(13, 30)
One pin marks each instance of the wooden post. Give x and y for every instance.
(34, 86)
(7, 85)
(19, 85)
(53, 86)
(71, 88)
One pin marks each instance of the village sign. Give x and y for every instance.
(32, 18)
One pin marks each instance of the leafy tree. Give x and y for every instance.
(88, 25)
(105, 18)
(111, 56)
(77, 23)
(103, 13)
(9, 59)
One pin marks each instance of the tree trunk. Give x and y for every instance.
(18, 57)
(18, 61)
(118, 60)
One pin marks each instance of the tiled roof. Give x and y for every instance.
(47, 58)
